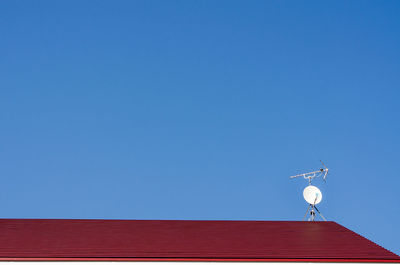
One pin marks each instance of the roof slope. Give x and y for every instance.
(188, 240)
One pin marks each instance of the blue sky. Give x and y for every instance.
(201, 110)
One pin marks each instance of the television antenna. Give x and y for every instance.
(323, 171)
(312, 195)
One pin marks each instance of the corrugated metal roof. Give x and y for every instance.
(187, 240)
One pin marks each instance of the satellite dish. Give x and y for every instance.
(312, 195)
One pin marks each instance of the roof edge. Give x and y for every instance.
(207, 259)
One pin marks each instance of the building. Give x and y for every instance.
(53, 240)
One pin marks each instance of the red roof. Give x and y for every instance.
(43, 239)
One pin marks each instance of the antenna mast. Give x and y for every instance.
(311, 193)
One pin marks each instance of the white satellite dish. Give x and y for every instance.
(312, 195)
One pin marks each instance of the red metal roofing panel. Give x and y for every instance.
(191, 240)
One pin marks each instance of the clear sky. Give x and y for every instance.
(201, 110)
